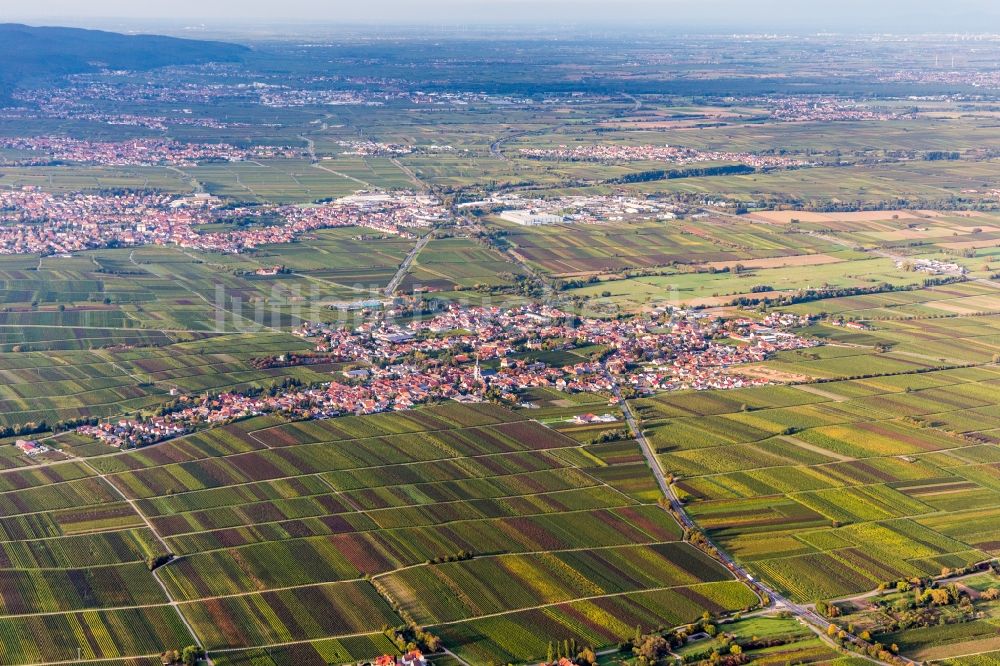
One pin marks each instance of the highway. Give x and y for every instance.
(806, 615)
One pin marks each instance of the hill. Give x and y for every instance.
(39, 52)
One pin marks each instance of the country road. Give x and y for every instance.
(397, 279)
(310, 147)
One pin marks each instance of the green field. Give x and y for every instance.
(472, 523)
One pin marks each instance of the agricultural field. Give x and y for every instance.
(115, 331)
(828, 490)
(471, 521)
(715, 259)
(452, 264)
(609, 248)
(115, 296)
(57, 386)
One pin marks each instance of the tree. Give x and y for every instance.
(735, 650)
(653, 648)
(191, 655)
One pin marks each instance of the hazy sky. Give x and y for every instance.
(812, 15)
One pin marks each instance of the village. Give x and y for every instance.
(368, 148)
(76, 98)
(37, 222)
(473, 354)
(648, 153)
(134, 152)
(823, 108)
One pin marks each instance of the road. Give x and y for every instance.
(365, 184)
(419, 184)
(397, 279)
(805, 615)
(654, 463)
(195, 183)
(310, 147)
(496, 148)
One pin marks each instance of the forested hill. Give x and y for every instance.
(33, 52)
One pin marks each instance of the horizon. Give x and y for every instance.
(723, 16)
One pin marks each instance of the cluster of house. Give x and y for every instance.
(368, 148)
(469, 354)
(411, 658)
(770, 330)
(932, 266)
(86, 97)
(590, 209)
(180, 85)
(592, 419)
(375, 148)
(32, 221)
(130, 432)
(463, 98)
(822, 108)
(135, 152)
(386, 213)
(195, 411)
(988, 78)
(279, 98)
(30, 447)
(51, 110)
(161, 87)
(678, 349)
(785, 320)
(650, 153)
